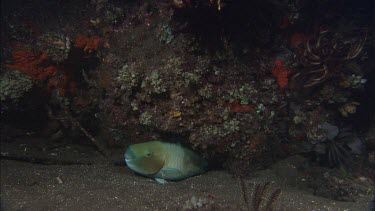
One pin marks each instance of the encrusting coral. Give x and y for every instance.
(14, 85)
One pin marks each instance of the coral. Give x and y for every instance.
(190, 78)
(41, 69)
(145, 118)
(14, 85)
(220, 131)
(216, 88)
(212, 98)
(155, 82)
(168, 74)
(314, 133)
(211, 131)
(348, 108)
(87, 44)
(260, 108)
(332, 94)
(134, 105)
(113, 15)
(56, 45)
(166, 34)
(307, 124)
(242, 93)
(128, 77)
(353, 81)
(231, 126)
(206, 91)
(175, 114)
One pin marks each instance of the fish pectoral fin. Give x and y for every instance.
(170, 172)
(161, 181)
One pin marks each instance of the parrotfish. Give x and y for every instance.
(164, 161)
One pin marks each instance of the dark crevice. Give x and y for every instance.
(44, 161)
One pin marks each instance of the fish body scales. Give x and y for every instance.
(183, 160)
(174, 157)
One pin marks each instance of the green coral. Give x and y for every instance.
(168, 74)
(356, 81)
(127, 77)
(145, 118)
(339, 97)
(14, 85)
(172, 65)
(113, 15)
(243, 94)
(232, 126)
(211, 131)
(166, 34)
(260, 108)
(161, 77)
(134, 105)
(190, 78)
(156, 83)
(227, 128)
(206, 91)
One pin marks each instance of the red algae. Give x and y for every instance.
(281, 73)
(86, 43)
(85, 23)
(32, 65)
(285, 23)
(297, 40)
(39, 68)
(236, 107)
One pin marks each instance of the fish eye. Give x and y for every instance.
(148, 154)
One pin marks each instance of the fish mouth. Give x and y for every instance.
(128, 157)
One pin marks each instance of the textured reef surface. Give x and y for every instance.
(245, 84)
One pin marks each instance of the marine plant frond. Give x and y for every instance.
(263, 198)
(274, 196)
(258, 195)
(338, 155)
(324, 55)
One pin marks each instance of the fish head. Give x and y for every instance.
(145, 158)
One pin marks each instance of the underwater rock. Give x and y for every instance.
(13, 86)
